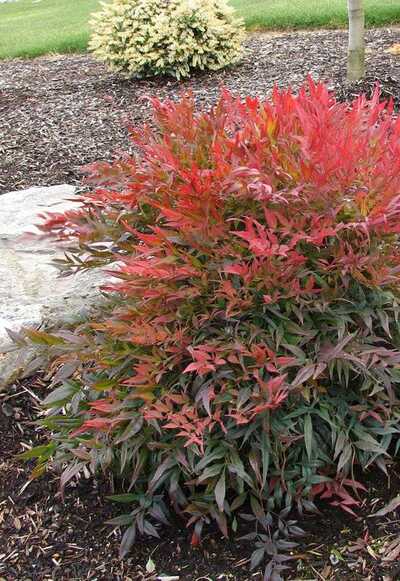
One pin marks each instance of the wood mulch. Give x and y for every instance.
(61, 112)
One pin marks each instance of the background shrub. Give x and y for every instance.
(173, 37)
(250, 349)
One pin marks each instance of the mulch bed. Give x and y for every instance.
(43, 537)
(59, 113)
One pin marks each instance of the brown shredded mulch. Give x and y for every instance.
(59, 113)
(44, 537)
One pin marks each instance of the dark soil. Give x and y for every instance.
(59, 113)
(43, 537)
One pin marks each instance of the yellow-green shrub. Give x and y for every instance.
(174, 37)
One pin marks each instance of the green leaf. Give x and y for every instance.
(256, 507)
(367, 446)
(150, 529)
(131, 429)
(209, 457)
(104, 384)
(308, 435)
(239, 470)
(44, 451)
(256, 557)
(264, 456)
(318, 478)
(43, 338)
(127, 541)
(60, 395)
(210, 472)
(219, 492)
(340, 443)
(119, 521)
(345, 456)
(160, 474)
(124, 498)
(238, 501)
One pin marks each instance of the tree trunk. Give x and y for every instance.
(356, 54)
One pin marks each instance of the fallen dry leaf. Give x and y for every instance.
(394, 49)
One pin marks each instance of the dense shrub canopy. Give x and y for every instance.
(250, 347)
(174, 37)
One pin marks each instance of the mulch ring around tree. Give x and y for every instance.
(59, 113)
(45, 537)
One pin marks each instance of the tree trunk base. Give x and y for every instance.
(356, 65)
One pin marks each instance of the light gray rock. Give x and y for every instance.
(31, 290)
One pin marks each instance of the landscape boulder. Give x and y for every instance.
(32, 292)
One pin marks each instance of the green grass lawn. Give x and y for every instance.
(30, 28)
(312, 13)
